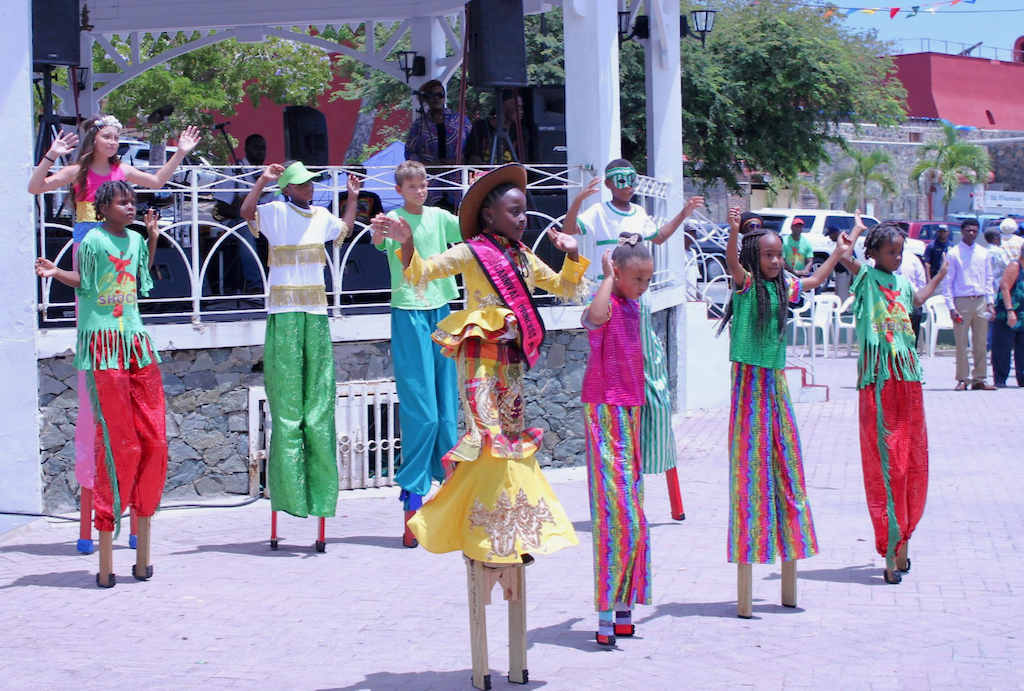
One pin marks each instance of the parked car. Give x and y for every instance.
(815, 222)
(925, 231)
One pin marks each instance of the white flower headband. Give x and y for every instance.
(107, 121)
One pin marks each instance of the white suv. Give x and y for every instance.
(815, 222)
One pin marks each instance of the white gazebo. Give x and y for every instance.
(592, 123)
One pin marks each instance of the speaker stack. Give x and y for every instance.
(305, 135)
(497, 43)
(55, 33)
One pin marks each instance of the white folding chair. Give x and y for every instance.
(800, 320)
(938, 319)
(823, 319)
(845, 323)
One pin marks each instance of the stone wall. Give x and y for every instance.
(207, 411)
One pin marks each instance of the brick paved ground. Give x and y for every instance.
(224, 612)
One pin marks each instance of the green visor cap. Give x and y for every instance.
(295, 174)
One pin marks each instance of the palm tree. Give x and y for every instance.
(954, 160)
(777, 184)
(857, 180)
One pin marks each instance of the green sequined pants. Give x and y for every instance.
(299, 377)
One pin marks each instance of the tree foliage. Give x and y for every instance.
(211, 79)
(864, 176)
(948, 160)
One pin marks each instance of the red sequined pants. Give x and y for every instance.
(132, 405)
(896, 486)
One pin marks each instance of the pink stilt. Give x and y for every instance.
(85, 545)
(273, 530)
(674, 496)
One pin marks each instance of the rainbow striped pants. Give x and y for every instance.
(622, 542)
(769, 513)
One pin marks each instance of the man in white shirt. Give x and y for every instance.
(913, 270)
(969, 297)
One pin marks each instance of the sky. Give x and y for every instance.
(996, 23)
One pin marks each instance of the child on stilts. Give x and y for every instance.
(298, 360)
(769, 511)
(893, 436)
(497, 507)
(612, 396)
(97, 163)
(122, 378)
(604, 222)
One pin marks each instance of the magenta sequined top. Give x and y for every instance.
(615, 368)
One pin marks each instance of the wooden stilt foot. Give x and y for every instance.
(143, 570)
(479, 588)
(789, 583)
(85, 545)
(105, 577)
(675, 498)
(744, 591)
(516, 596)
(902, 558)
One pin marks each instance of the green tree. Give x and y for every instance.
(858, 180)
(212, 79)
(944, 162)
(777, 184)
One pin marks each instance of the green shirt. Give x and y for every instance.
(746, 344)
(797, 253)
(882, 304)
(113, 271)
(432, 231)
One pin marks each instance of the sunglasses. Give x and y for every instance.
(753, 226)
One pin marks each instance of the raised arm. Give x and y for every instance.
(569, 225)
(666, 231)
(187, 141)
(597, 311)
(153, 232)
(732, 250)
(40, 182)
(848, 259)
(933, 283)
(252, 199)
(353, 185)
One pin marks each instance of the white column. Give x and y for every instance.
(427, 38)
(592, 120)
(664, 101)
(19, 398)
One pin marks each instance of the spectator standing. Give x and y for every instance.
(436, 135)
(481, 138)
(1004, 251)
(936, 250)
(797, 250)
(1008, 327)
(969, 297)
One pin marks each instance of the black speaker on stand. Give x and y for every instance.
(497, 43)
(305, 135)
(55, 33)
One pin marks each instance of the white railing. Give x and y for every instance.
(195, 255)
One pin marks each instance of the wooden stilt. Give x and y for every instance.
(674, 497)
(744, 591)
(516, 596)
(789, 583)
(85, 545)
(902, 558)
(479, 587)
(143, 571)
(105, 577)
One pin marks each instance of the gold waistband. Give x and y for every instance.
(298, 296)
(85, 212)
(293, 255)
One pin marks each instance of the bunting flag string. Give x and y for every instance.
(893, 12)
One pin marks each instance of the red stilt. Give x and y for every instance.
(321, 543)
(273, 530)
(408, 539)
(674, 496)
(85, 545)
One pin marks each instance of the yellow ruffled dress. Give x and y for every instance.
(497, 505)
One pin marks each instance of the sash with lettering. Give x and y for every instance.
(508, 283)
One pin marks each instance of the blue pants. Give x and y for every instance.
(427, 396)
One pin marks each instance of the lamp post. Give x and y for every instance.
(703, 22)
(641, 27)
(413, 64)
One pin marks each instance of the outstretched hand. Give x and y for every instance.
(564, 242)
(272, 172)
(398, 229)
(63, 145)
(593, 187)
(692, 204)
(734, 219)
(858, 224)
(607, 268)
(188, 139)
(152, 226)
(944, 268)
(353, 185)
(45, 268)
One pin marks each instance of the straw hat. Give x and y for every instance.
(469, 211)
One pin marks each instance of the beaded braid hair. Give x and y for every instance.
(879, 234)
(111, 190)
(522, 264)
(750, 259)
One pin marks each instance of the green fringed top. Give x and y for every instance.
(882, 306)
(113, 271)
(748, 345)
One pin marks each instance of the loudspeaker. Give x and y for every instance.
(497, 43)
(55, 33)
(305, 135)
(545, 116)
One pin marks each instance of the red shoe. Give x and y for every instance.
(607, 641)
